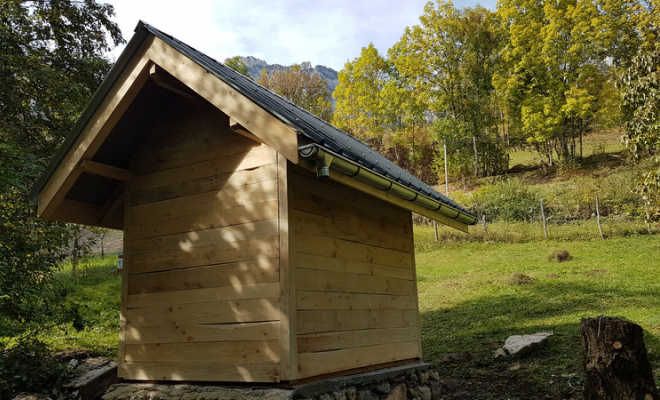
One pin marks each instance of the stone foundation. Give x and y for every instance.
(409, 382)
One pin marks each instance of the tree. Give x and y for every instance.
(51, 62)
(448, 61)
(641, 104)
(361, 108)
(238, 65)
(301, 86)
(561, 59)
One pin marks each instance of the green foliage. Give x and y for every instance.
(303, 87)
(27, 365)
(238, 65)
(641, 101)
(448, 61)
(507, 200)
(51, 62)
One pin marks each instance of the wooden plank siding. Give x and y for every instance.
(356, 300)
(202, 284)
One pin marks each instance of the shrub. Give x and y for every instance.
(27, 365)
(507, 200)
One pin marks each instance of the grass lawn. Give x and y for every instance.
(470, 302)
(96, 288)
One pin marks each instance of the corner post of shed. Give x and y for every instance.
(288, 346)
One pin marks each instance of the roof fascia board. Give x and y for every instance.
(115, 102)
(388, 197)
(244, 111)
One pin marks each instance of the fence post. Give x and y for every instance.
(600, 228)
(648, 217)
(545, 227)
(483, 219)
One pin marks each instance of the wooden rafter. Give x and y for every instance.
(107, 171)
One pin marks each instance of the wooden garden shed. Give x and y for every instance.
(261, 244)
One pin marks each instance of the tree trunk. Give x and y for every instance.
(615, 362)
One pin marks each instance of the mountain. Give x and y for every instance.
(255, 66)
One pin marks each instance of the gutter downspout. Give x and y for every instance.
(326, 160)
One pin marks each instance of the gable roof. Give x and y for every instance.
(312, 132)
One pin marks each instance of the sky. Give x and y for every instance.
(328, 33)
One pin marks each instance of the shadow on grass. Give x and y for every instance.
(462, 338)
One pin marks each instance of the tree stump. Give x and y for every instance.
(615, 362)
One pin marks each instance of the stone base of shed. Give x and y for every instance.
(413, 381)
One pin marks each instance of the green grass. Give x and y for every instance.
(96, 288)
(595, 143)
(469, 304)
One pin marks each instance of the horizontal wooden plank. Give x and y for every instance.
(217, 312)
(206, 184)
(238, 352)
(353, 301)
(204, 333)
(206, 219)
(236, 162)
(344, 249)
(187, 123)
(313, 261)
(346, 228)
(318, 205)
(187, 241)
(311, 364)
(305, 181)
(348, 339)
(201, 371)
(224, 144)
(243, 250)
(225, 279)
(330, 281)
(219, 201)
(319, 321)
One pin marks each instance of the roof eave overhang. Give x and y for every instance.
(323, 161)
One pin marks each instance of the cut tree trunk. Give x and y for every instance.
(615, 362)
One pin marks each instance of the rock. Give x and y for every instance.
(399, 393)
(367, 395)
(424, 393)
(383, 387)
(31, 396)
(499, 353)
(350, 393)
(519, 345)
(92, 377)
(325, 396)
(339, 396)
(73, 363)
(412, 393)
(436, 391)
(423, 377)
(433, 375)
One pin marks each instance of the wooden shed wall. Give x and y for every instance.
(201, 257)
(353, 260)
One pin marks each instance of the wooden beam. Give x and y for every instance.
(248, 114)
(113, 205)
(288, 325)
(166, 81)
(117, 101)
(107, 171)
(238, 128)
(76, 212)
(389, 197)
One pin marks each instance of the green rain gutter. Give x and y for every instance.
(326, 160)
